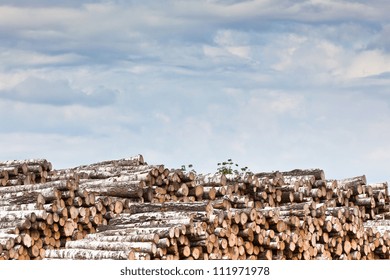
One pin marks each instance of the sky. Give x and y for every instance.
(272, 85)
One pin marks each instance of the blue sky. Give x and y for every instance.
(274, 85)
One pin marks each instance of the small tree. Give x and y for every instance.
(189, 166)
(229, 167)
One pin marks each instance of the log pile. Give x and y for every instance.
(127, 209)
(24, 172)
(46, 214)
(35, 217)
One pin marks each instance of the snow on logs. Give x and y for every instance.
(127, 209)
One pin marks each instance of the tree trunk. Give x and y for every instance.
(114, 188)
(85, 254)
(145, 247)
(210, 179)
(319, 174)
(116, 237)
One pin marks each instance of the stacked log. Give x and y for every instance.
(127, 209)
(36, 217)
(152, 231)
(66, 212)
(268, 216)
(141, 190)
(24, 172)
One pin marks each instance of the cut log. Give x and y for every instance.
(32, 215)
(62, 185)
(84, 254)
(111, 187)
(170, 206)
(153, 237)
(25, 197)
(210, 179)
(319, 174)
(145, 247)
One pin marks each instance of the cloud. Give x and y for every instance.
(21, 58)
(57, 93)
(301, 11)
(271, 84)
(369, 63)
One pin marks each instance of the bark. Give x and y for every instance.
(32, 215)
(123, 222)
(145, 247)
(196, 191)
(39, 197)
(105, 172)
(210, 179)
(319, 174)
(347, 182)
(169, 206)
(153, 237)
(62, 185)
(7, 241)
(183, 190)
(22, 207)
(186, 176)
(380, 186)
(299, 179)
(21, 224)
(46, 165)
(163, 232)
(85, 254)
(130, 161)
(365, 201)
(111, 187)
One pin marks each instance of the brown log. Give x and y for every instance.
(8, 241)
(196, 191)
(184, 251)
(181, 190)
(211, 192)
(266, 255)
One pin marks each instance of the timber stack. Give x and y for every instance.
(128, 209)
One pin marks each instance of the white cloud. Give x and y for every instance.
(287, 45)
(368, 63)
(27, 17)
(17, 58)
(229, 45)
(312, 11)
(162, 117)
(240, 51)
(57, 93)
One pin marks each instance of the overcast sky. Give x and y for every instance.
(273, 85)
